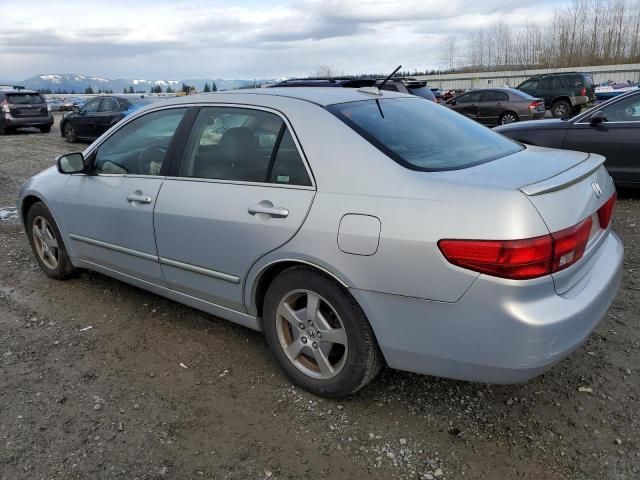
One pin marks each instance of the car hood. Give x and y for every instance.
(526, 167)
(551, 123)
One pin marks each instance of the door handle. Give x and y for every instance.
(266, 208)
(139, 197)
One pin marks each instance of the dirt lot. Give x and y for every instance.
(158, 390)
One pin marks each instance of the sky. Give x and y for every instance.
(180, 39)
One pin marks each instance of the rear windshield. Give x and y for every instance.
(424, 92)
(422, 135)
(24, 98)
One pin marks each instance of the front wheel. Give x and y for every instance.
(70, 134)
(46, 243)
(319, 334)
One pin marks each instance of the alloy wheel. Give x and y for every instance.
(69, 133)
(312, 334)
(45, 242)
(560, 110)
(508, 118)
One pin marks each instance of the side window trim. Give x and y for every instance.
(174, 172)
(274, 152)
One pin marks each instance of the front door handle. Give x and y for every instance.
(138, 197)
(266, 208)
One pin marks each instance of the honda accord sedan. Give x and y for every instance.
(355, 227)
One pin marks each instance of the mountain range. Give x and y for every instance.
(78, 83)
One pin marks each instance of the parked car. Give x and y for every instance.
(68, 103)
(345, 82)
(564, 93)
(460, 253)
(497, 106)
(396, 84)
(611, 129)
(98, 115)
(23, 108)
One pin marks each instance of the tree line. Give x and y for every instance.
(208, 87)
(583, 33)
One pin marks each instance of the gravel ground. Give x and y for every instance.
(102, 380)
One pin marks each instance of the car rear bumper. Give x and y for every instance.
(500, 331)
(8, 120)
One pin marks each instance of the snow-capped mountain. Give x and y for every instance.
(73, 82)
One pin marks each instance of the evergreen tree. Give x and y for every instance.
(206, 88)
(185, 89)
(89, 90)
(124, 90)
(100, 91)
(214, 88)
(130, 89)
(169, 89)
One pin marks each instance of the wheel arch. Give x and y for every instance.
(562, 98)
(270, 271)
(505, 112)
(27, 203)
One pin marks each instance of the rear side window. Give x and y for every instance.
(423, 136)
(495, 97)
(25, 99)
(242, 144)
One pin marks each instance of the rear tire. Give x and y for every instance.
(508, 117)
(319, 334)
(560, 109)
(69, 133)
(46, 243)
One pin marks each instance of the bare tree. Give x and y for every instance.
(323, 71)
(449, 52)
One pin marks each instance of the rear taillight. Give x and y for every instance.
(569, 245)
(520, 259)
(535, 105)
(605, 212)
(583, 92)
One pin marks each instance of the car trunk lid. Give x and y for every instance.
(569, 198)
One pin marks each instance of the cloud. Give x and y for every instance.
(203, 38)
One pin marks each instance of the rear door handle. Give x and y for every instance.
(139, 197)
(266, 208)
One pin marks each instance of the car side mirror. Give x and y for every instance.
(598, 118)
(71, 163)
(75, 108)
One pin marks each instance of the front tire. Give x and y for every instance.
(46, 243)
(69, 133)
(319, 334)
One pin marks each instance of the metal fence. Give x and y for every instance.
(601, 73)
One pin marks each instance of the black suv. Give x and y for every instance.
(23, 108)
(564, 93)
(395, 84)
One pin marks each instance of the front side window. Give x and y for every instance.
(243, 145)
(140, 147)
(627, 110)
(422, 136)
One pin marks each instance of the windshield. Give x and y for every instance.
(24, 98)
(422, 135)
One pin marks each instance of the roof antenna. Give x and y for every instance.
(389, 77)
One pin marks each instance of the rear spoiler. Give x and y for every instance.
(564, 179)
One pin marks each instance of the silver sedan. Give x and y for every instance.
(354, 227)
